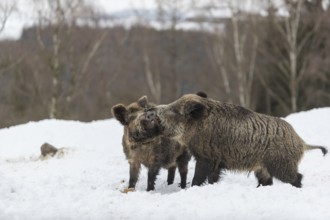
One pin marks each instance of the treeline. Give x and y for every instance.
(272, 64)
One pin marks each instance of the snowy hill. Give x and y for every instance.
(85, 182)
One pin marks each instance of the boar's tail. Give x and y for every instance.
(313, 147)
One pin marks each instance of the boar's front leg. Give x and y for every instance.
(152, 174)
(171, 175)
(183, 161)
(134, 171)
(202, 170)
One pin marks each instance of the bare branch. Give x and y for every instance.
(154, 85)
(273, 94)
(93, 51)
(6, 10)
(12, 65)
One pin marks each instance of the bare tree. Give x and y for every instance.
(218, 56)
(170, 14)
(58, 20)
(245, 65)
(152, 74)
(163, 84)
(6, 9)
(297, 36)
(238, 38)
(291, 32)
(153, 78)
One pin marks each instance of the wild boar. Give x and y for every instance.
(160, 152)
(224, 136)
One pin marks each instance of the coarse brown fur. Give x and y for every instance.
(161, 152)
(226, 136)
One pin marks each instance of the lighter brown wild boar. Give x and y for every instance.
(160, 152)
(224, 136)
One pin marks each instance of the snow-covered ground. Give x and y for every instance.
(85, 182)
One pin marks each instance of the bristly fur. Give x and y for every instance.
(158, 153)
(226, 136)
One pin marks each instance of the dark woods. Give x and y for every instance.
(271, 64)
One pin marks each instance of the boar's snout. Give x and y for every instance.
(150, 115)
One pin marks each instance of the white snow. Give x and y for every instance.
(85, 183)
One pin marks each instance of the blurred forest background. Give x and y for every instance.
(68, 65)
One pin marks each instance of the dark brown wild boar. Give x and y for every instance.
(225, 136)
(160, 152)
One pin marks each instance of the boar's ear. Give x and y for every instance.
(201, 94)
(120, 113)
(143, 102)
(194, 110)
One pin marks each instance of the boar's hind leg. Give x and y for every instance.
(171, 175)
(202, 170)
(264, 178)
(287, 172)
(297, 182)
(134, 170)
(152, 174)
(214, 175)
(292, 177)
(183, 161)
